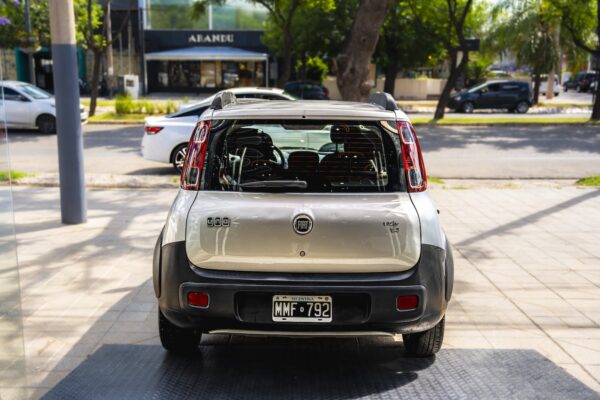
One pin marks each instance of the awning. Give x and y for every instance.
(207, 54)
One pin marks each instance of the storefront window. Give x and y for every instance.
(206, 75)
(176, 14)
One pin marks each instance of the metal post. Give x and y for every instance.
(30, 60)
(70, 141)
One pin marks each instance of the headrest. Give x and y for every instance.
(339, 133)
(251, 137)
(299, 159)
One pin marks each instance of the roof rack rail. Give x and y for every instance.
(384, 100)
(222, 100)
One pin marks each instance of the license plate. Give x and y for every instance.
(295, 308)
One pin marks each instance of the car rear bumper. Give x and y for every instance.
(241, 302)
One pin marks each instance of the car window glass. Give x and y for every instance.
(494, 87)
(358, 160)
(35, 92)
(11, 95)
(510, 87)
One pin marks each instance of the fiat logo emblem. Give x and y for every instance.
(302, 224)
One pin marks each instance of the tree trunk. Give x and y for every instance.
(537, 79)
(391, 72)
(286, 68)
(352, 64)
(550, 85)
(455, 71)
(95, 81)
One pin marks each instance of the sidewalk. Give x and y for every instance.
(527, 275)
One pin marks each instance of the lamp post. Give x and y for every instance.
(66, 87)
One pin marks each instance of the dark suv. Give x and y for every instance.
(307, 90)
(512, 95)
(581, 82)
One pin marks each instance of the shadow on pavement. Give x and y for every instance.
(315, 369)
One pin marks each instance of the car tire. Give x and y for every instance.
(177, 340)
(46, 124)
(467, 107)
(425, 344)
(178, 157)
(522, 107)
(578, 89)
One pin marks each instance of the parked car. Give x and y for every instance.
(303, 218)
(544, 87)
(165, 138)
(511, 95)
(28, 107)
(307, 90)
(581, 82)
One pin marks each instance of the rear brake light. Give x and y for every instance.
(191, 173)
(407, 302)
(153, 130)
(412, 159)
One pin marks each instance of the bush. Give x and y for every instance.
(149, 107)
(170, 107)
(316, 69)
(126, 105)
(123, 104)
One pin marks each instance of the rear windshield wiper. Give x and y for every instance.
(274, 184)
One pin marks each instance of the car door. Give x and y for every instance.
(508, 95)
(17, 108)
(488, 97)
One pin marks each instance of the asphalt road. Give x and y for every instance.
(450, 152)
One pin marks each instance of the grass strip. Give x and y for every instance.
(592, 181)
(502, 120)
(5, 175)
(112, 117)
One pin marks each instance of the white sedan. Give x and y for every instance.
(165, 138)
(28, 107)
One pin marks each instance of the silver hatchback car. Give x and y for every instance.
(307, 218)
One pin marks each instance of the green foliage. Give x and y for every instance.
(13, 34)
(6, 175)
(316, 69)
(593, 181)
(477, 71)
(529, 30)
(88, 21)
(170, 107)
(125, 105)
(319, 27)
(404, 43)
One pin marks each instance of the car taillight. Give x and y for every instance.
(195, 156)
(153, 130)
(412, 159)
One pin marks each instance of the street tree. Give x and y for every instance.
(580, 19)
(310, 29)
(528, 29)
(403, 44)
(352, 64)
(450, 22)
(92, 24)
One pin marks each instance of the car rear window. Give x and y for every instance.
(304, 156)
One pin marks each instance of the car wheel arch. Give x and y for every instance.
(175, 150)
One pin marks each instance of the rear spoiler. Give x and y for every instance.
(222, 100)
(384, 100)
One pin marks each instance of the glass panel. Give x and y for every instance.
(176, 14)
(12, 358)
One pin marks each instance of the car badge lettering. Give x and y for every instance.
(217, 222)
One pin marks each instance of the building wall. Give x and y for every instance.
(9, 64)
